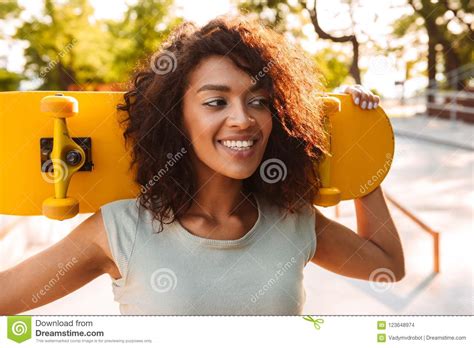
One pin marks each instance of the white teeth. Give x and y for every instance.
(238, 144)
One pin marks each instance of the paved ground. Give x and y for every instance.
(428, 129)
(432, 179)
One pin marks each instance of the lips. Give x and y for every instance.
(239, 153)
(239, 144)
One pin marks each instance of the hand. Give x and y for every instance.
(362, 96)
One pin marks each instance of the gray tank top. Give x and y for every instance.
(175, 272)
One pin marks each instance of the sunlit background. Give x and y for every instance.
(417, 55)
(393, 41)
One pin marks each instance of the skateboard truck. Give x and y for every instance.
(66, 157)
(46, 147)
(328, 196)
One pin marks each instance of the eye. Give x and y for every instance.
(215, 103)
(260, 102)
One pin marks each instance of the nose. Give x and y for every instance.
(240, 117)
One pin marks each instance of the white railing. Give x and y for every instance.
(449, 100)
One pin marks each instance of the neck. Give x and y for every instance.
(218, 197)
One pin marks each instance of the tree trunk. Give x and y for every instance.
(435, 36)
(354, 69)
(431, 69)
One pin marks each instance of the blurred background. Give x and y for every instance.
(417, 55)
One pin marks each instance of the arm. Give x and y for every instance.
(375, 245)
(59, 270)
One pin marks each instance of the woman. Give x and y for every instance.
(213, 231)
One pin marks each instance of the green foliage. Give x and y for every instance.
(65, 46)
(434, 19)
(334, 66)
(281, 15)
(68, 46)
(9, 81)
(139, 35)
(405, 24)
(9, 8)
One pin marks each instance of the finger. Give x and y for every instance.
(365, 100)
(369, 98)
(371, 101)
(377, 101)
(355, 93)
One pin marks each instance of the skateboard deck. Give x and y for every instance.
(87, 165)
(362, 146)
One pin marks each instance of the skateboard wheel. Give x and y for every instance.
(327, 197)
(60, 208)
(59, 106)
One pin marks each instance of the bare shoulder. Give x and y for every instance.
(323, 222)
(92, 235)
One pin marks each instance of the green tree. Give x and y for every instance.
(447, 49)
(334, 69)
(282, 15)
(9, 81)
(65, 46)
(146, 24)
(68, 46)
(9, 9)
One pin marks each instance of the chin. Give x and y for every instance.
(238, 174)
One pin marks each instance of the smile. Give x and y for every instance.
(239, 149)
(238, 145)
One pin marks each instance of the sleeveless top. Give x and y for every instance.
(175, 272)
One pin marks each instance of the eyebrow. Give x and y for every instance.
(224, 88)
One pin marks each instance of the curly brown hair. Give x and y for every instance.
(154, 122)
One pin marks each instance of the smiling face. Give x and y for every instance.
(226, 118)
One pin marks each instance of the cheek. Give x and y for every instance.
(266, 126)
(204, 129)
(197, 126)
(201, 132)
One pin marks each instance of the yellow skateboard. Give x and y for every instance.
(362, 146)
(88, 165)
